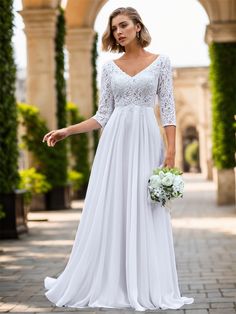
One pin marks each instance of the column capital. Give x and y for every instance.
(39, 22)
(220, 32)
(80, 39)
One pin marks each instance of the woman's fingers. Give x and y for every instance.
(54, 136)
(51, 140)
(169, 162)
(48, 135)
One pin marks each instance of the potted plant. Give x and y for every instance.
(75, 178)
(50, 162)
(34, 183)
(13, 213)
(79, 151)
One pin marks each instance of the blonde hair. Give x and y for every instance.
(108, 40)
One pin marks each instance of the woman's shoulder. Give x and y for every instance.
(162, 59)
(107, 62)
(106, 66)
(165, 56)
(165, 61)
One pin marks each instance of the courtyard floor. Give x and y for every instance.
(205, 247)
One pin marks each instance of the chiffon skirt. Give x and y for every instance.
(123, 253)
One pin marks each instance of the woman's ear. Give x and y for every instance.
(138, 27)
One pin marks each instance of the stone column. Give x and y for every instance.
(222, 29)
(79, 44)
(208, 130)
(179, 148)
(201, 128)
(40, 28)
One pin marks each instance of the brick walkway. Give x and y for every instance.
(205, 242)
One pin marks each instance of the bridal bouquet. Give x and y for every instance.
(165, 184)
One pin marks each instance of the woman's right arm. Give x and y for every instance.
(83, 127)
(57, 135)
(97, 121)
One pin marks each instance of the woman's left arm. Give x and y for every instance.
(170, 131)
(167, 109)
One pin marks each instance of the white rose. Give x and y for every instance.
(181, 188)
(155, 181)
(168, 179)
(179, 183)
(161, 174)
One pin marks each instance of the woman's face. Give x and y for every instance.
(123, 29)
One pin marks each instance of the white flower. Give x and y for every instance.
(179, 183)
(168, 179)
(165, 186)
(155, 181)
(161, 174)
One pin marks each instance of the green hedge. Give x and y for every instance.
(223, 88)
(192, 153)
(94, 88)
(60, 69)
(79, 145)
(62, 161)
(47, 160)
(33, 182)
(9, 177)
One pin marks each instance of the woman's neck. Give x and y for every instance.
(134, 51)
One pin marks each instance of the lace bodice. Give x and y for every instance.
(120, 89)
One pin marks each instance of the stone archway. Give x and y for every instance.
(189, 136)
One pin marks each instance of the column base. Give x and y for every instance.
(225, 182)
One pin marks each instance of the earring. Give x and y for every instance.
(138, 35)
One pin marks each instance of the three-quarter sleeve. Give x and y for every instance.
(165, 94)
(106, 99)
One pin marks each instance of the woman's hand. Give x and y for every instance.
(169, 159)
(54, 136)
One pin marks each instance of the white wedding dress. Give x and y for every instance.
(123, 253)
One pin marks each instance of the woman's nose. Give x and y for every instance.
(118, 30)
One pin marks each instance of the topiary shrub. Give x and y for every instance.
(223, 89)
(61, 92)
(60, 69)
(75, 178)
(95, 89)
(78, 144)
(192, 153)
(33, 182)
(9, 176)
(47, 161)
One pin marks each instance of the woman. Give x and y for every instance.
(123, 253)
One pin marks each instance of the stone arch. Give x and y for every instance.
(189, 135)
(82, 13)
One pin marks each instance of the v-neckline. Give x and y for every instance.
(132, 76)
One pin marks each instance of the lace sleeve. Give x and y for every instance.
(165, 95)
(106, 100)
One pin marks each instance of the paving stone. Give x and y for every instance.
(222, 305)
(222, 311)
(214, 294)
(200, 305)
(19, 308)
(38, 309)
(196, 312)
